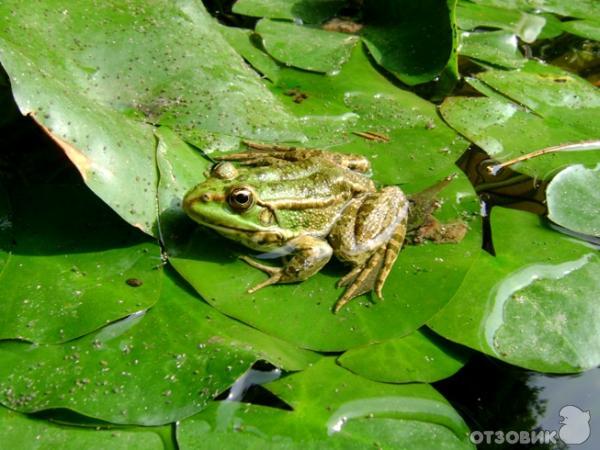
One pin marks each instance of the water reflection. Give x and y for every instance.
(491, 395)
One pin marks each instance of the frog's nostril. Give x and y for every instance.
(205, 197)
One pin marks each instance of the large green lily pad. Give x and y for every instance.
(332, 408)
(148, 369)
(91, 76)
(534, 304)
(433, 271)
(68, 258)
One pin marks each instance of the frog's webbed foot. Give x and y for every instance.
(274, 272)
(360, 280)
(372, 275)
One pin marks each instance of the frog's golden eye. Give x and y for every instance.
(241, 198)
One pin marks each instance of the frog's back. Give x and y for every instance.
(306, 197)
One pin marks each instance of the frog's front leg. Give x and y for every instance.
(309, 255)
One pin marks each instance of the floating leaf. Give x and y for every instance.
(91, 92)
(495, 47)
(571, 8)
(67, 272)
(20, 431)
(420, 149)
(565, 110)
(332, 408)
(433, 271)
(413, 40)
(470, 16)
(534, 304)
(589, 29)
(574, 199)
(306, 48)
(309, 11)
(245, 43)
(147, 369)
(420, 356)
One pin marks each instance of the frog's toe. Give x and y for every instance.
(271, 270)
(349, 277)
(363, 282)
(273, 279)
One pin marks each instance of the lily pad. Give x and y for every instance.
(417, 148)
(527, 27)
(306, 48)
(92, 93)
(309, 11)
(574, 199)
(147, 369)
(589, 29)
(420, 356)
(69, 265)
(533, 305)
(571, 8)
(332, 408)
(434, 271)
(550, 107)
(413, 40)
(498, 48)
(245, 43)
(20, 431)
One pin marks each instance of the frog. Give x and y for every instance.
(306, 205)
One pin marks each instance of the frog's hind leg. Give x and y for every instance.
(392, 249)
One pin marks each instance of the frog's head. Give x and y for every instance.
(230, 204)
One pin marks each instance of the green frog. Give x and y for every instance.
(307, 205)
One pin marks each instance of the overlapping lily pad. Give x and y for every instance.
(420, 356)
(91, 76)
(572, 8)
(310, 11)
(549, 107)
(67, 261)
(148, 369)
(420, 149)
(495, 47)
(470, 15)
(306, 48)
(20, 431)
(335, 409)
(534, 304)
(413, 40)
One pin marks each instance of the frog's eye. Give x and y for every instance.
(241, 198)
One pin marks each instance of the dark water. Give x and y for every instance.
(491, 395)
